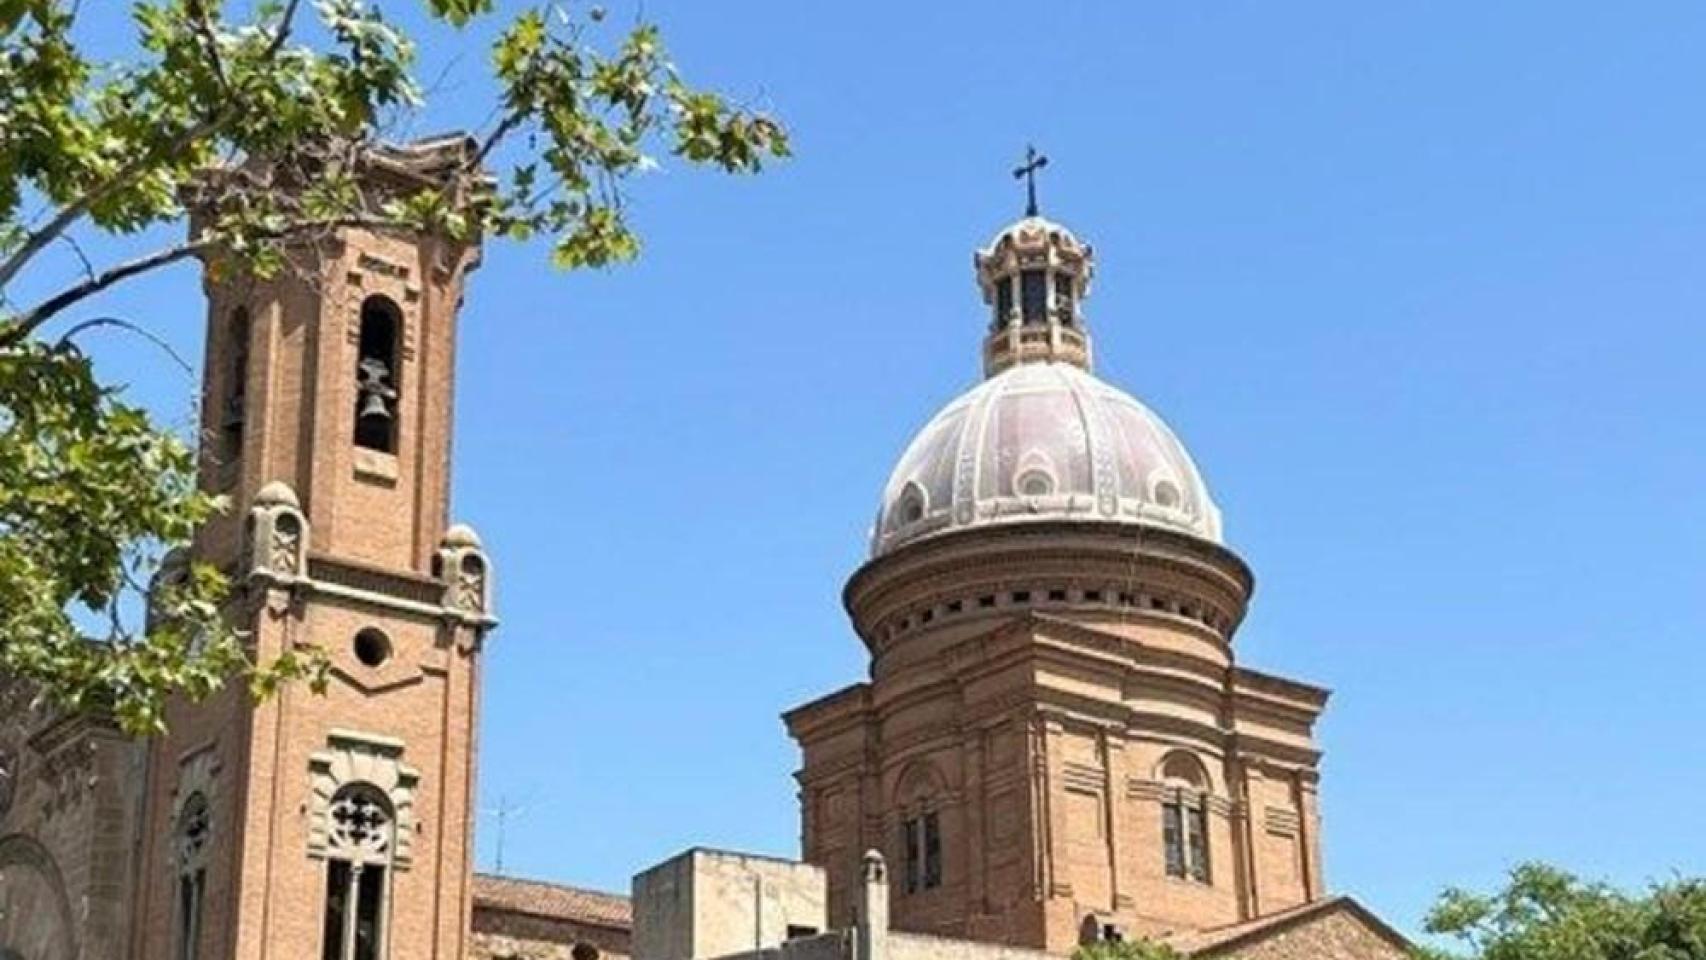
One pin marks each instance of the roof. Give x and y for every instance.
(1043, 441)
(1217, 939)
(552, 900)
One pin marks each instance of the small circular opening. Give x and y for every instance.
(1035, 483)
(1167, 494)
(372, 648)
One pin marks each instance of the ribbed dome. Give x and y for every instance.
(1043, 441)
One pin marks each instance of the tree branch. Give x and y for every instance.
(74, 211)
(83, 258)
(45, 311)
(66, 338)
(29, 322)
(204, 30)
(504, 127)
(283, 33)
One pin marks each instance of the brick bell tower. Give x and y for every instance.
(335, 826)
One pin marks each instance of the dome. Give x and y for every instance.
(1041, 438)
(1043, 441)
(1030, 232)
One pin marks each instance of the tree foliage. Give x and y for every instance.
(92, 491)
(1544, 913)
(1125, 950)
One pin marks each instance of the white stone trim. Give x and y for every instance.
(352, 757)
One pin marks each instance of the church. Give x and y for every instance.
(1055, 744)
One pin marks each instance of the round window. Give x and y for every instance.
(1167, 494)
(372, 648)
(1034, 483)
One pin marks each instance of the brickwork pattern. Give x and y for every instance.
(1039, 720)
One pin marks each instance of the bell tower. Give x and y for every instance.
(334, 826)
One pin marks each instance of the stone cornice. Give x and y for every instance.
(833, 769)
(390, 590)
(1160, 676)
(850, 703)
(1284, 688)
(963, 549)
(402, 584)
(968, 574)
(1275, 756)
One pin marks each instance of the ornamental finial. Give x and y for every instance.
(1034, 161)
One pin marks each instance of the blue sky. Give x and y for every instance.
(1419, 285)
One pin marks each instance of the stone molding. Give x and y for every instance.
(275, 555)
(362, 758)
(1281, 822)
(466, 574)
(275, 537)
(1140, 572)
(1024, 549)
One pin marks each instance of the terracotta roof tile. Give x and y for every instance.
(552, 900)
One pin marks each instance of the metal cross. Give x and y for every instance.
(1034, 161)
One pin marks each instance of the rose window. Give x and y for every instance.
(362, 825)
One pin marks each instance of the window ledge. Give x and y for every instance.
(1191, 882)
(375, 466)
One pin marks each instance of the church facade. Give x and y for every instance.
(1056, 743)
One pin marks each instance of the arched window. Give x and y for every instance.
(191, 834)
(376, 375)
(1033, 295)
(919, 799)
(1003, 301)
(236, 386)
(1063, 298)
(358, 860)
(921, 846)
(1184, 816)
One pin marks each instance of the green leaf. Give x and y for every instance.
(266, 134)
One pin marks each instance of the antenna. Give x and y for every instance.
(503, 812)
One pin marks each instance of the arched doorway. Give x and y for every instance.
(35, 913)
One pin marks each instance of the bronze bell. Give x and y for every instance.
(373, 405)
(371, 377)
